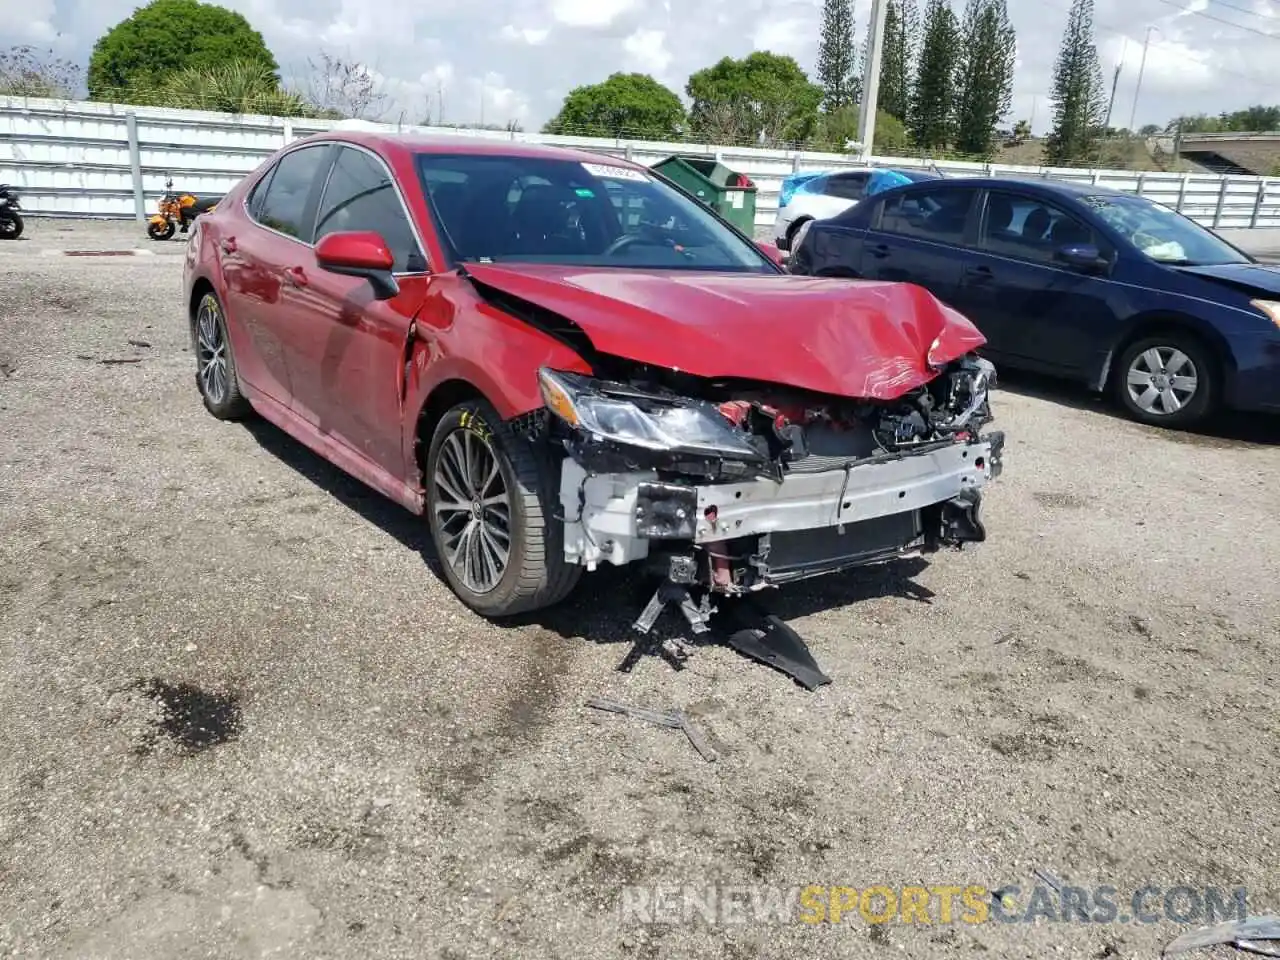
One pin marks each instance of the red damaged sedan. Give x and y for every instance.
(563, 360)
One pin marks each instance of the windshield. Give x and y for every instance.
(547, 210)
(1163, 234)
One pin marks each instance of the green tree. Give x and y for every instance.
(764, 96)
(985, 80)
(167, 36)
(897, 54)
(237, 86)
(1079, 97)
(840, 127)
(930, 120)
(837, 57)
(626, 105)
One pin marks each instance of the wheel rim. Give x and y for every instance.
(1162, 381)
(473, 510)
(211, 352)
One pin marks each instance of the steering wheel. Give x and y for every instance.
(624, 242)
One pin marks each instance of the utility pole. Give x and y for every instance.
(1115, 81)
(871, 76)
(1141, 67)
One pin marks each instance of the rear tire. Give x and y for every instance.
(486, 489)
(215, 366)
(1167, 380)
(11, 226)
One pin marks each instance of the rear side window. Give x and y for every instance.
(938, 214)
(361, 195)
(847, 187)
(285, 202)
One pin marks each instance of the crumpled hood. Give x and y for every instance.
(1262, 279)
(848, 338)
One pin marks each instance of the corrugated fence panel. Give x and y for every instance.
(72, 158)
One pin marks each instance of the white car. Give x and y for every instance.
(817, 196)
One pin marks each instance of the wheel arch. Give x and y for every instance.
(442, 398)
(1154, 323)
(795, 226)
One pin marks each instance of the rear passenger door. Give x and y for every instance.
(842, 190)
(1034, 309)
(919, 235)
(255, 259)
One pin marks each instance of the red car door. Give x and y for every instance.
(255, 249)
(346, 349)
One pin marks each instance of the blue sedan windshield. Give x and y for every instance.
(1163, 234)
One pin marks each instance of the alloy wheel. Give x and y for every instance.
(473, 510)
(211, 352)
(1162, 380)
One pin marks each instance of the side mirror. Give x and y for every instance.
(772, 252)
(1082, 256)
(360, 254)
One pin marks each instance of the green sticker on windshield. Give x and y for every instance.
(584, 192)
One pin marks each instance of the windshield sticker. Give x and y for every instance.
(614, 173)
(584, 192)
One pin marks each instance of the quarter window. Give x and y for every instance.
(937, 214)
(284, 206)
(361, 195)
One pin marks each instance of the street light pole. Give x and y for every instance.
(1141, 67)
(871, 77)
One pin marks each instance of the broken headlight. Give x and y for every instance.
(636, 419)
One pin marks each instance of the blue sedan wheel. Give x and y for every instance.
(1166, 381)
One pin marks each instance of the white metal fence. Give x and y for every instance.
(72, 158)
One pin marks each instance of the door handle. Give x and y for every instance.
(228, 244)
(297, 276)
(979, 274)
(880, 251)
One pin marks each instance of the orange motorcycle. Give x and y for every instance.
(177, 211)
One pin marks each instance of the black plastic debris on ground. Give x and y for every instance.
(193, 718)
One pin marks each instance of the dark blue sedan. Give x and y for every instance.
(1077, 281)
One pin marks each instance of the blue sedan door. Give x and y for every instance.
(918, 236)
(1035, 310)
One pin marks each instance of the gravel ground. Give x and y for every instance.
(379, 773)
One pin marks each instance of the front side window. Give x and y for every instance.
(1162, 234)
(1029, 229)
(936, 214)
(284, 205)
(361, 195)
(493, 208)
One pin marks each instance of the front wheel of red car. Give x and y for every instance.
(215, 367)
(491, 499)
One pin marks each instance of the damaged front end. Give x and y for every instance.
(736, 486)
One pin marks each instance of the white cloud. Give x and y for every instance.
(550, 46)
(647, 51)
(589, 13)
(530, 35)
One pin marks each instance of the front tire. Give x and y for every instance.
(1167, 380)
(215, 367)
(157, 232)
(11, 226)
(490, 501)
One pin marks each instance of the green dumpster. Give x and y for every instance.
(730, 194)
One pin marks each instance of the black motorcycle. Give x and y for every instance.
(10, 218)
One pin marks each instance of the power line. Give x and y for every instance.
(1229, 23)
(1244, 10)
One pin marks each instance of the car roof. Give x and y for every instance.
(1065, 188)
(472, 145)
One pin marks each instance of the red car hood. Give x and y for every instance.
(836, 336)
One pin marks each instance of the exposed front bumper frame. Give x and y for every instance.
(611, 518)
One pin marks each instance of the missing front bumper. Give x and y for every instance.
(745, 535)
